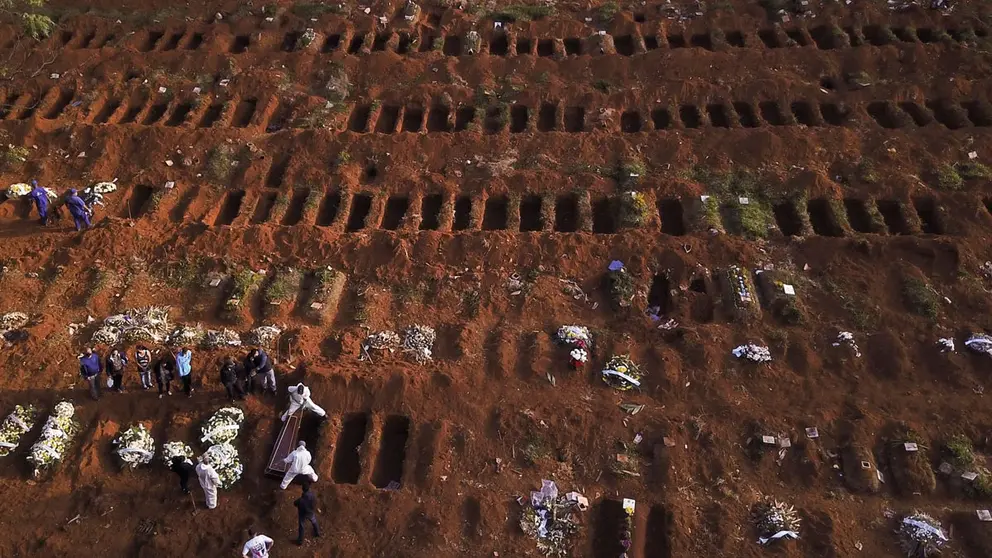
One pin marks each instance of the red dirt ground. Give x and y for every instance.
(871, 124)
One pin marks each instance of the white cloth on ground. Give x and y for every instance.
(209, 481)
(297, 400)
(299, 464)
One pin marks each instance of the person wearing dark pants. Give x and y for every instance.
(164, 369)
(116, 363)
(184, 365)
(143, 358)
(90, 368)
(306, 506)
(229, 376)
(184, 469)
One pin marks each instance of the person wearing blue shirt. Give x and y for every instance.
(77, 208)
(40, 197)
(90, 368)
(185, 369)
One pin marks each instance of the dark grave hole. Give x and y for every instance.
(624, 45)
(240, 44)
(413, 119)
(855, 38)
(388, 472)
(137, 204)
(361, 206)
(857, 215)
(828, 83)
(290, 40)
(332, 43)
(639, 17)
(702, 40)
(496, 213)
(388, 117)
(464, 117)
(371, 173)
(672, 217)
(660, 527)
(746, 115)
(524, 45)
(926, 35)
(530, 214)
(660, 296)
(495, 118)
(567, 214)
(978, 113)
(500, 45)
(676, 41)
(905, 35)
(518, 119)
(463, 213)
(297, 205)
(930, 221)
(797, 36)
(988, 205)
(805, 113)
(231, 207)
(153, 38)
(430, 212)
(788, 219)
(545, 47)
(452, 45)
(730, 216)
(547, 117)
(279, 117)
(355, 45)
(735, 39)
(437, 119)
(895, 221)
(212, 115)
(769, 37)
(329, 208)
(772, 113)
(823, 36)
(920, 115)
(434, 18)
(263, 208)
(610, 521)
(9, 104)
(821, 217)
(403, 46)
(155, 113)
(380, 41)
(661, 119)
(981, 32)
(885, 114)
(719, 115)
(948, 114)
(834, 114)
(65, 37)
(690, 116)
(573, 46)
(179, 210)
(603, 221)
(957, 34)
(575, 119)
(132, 113)
(396, 208)
(277, 171)
(106, 111)
(31, 107)
(876, 35)
(359, 120)
(651, 42)
(88, 39)
(630, 122)
(64, 98)
(179, 114)
(194, 41)
(347, 466)
(426, 42)
(698, 285)
(244, 112)
(173, 42)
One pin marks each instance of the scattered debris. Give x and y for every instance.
(946, 344)
(847, 338)
(222, 338)
(548, 518)
(921, 535)
(754, 353)
(263, 336)
(980, 343)
(775, 520)
(419, 340)
(382, 341)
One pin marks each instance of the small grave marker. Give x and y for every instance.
(911, 446)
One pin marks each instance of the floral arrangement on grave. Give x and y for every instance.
(578, 340)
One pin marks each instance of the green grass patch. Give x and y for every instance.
(521, 12)
(919, 297)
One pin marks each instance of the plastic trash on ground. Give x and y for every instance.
(754, 353)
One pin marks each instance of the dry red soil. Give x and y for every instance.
(429, 170)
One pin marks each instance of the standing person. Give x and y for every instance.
(229, 377)
(40, 197)
(116, 363)
(260, 364)
(90, 368)
(306, 507)
(258, 546)
(164, 369)
(143, 358)
(209, 481)
(298, 462)
(183, 364)
(184, 469)
(77, 208)
(299, 397)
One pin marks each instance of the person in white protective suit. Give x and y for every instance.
(209, 481)
(299, 396)
(299, 464)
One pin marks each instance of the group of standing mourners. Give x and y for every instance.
(237, 379)
(78, 208)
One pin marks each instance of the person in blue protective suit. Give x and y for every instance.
(40, 197)
(77, 207)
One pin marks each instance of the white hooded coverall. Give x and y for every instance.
(209, 481)
(299, 464)
(297, 400)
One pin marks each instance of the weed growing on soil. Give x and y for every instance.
(282, 288)
(608, 11)
(711, 214)
(602, 85)
(633, 209)
(919, 297)
(627, 462)
(14, 155)
(470, 300)
(342, 159)
(535, 448)
(221, 163)
(362, 302)
(308, 10)
(621, 287)
(316, 119)
(37, 26)
(864, 314)
(866, 171)
(754, 219)
(631, 172)
(947, 178)
(244, 281)
(181, 274)
(338, 86)
(521, 12)
(973, 171)
(962, 454)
